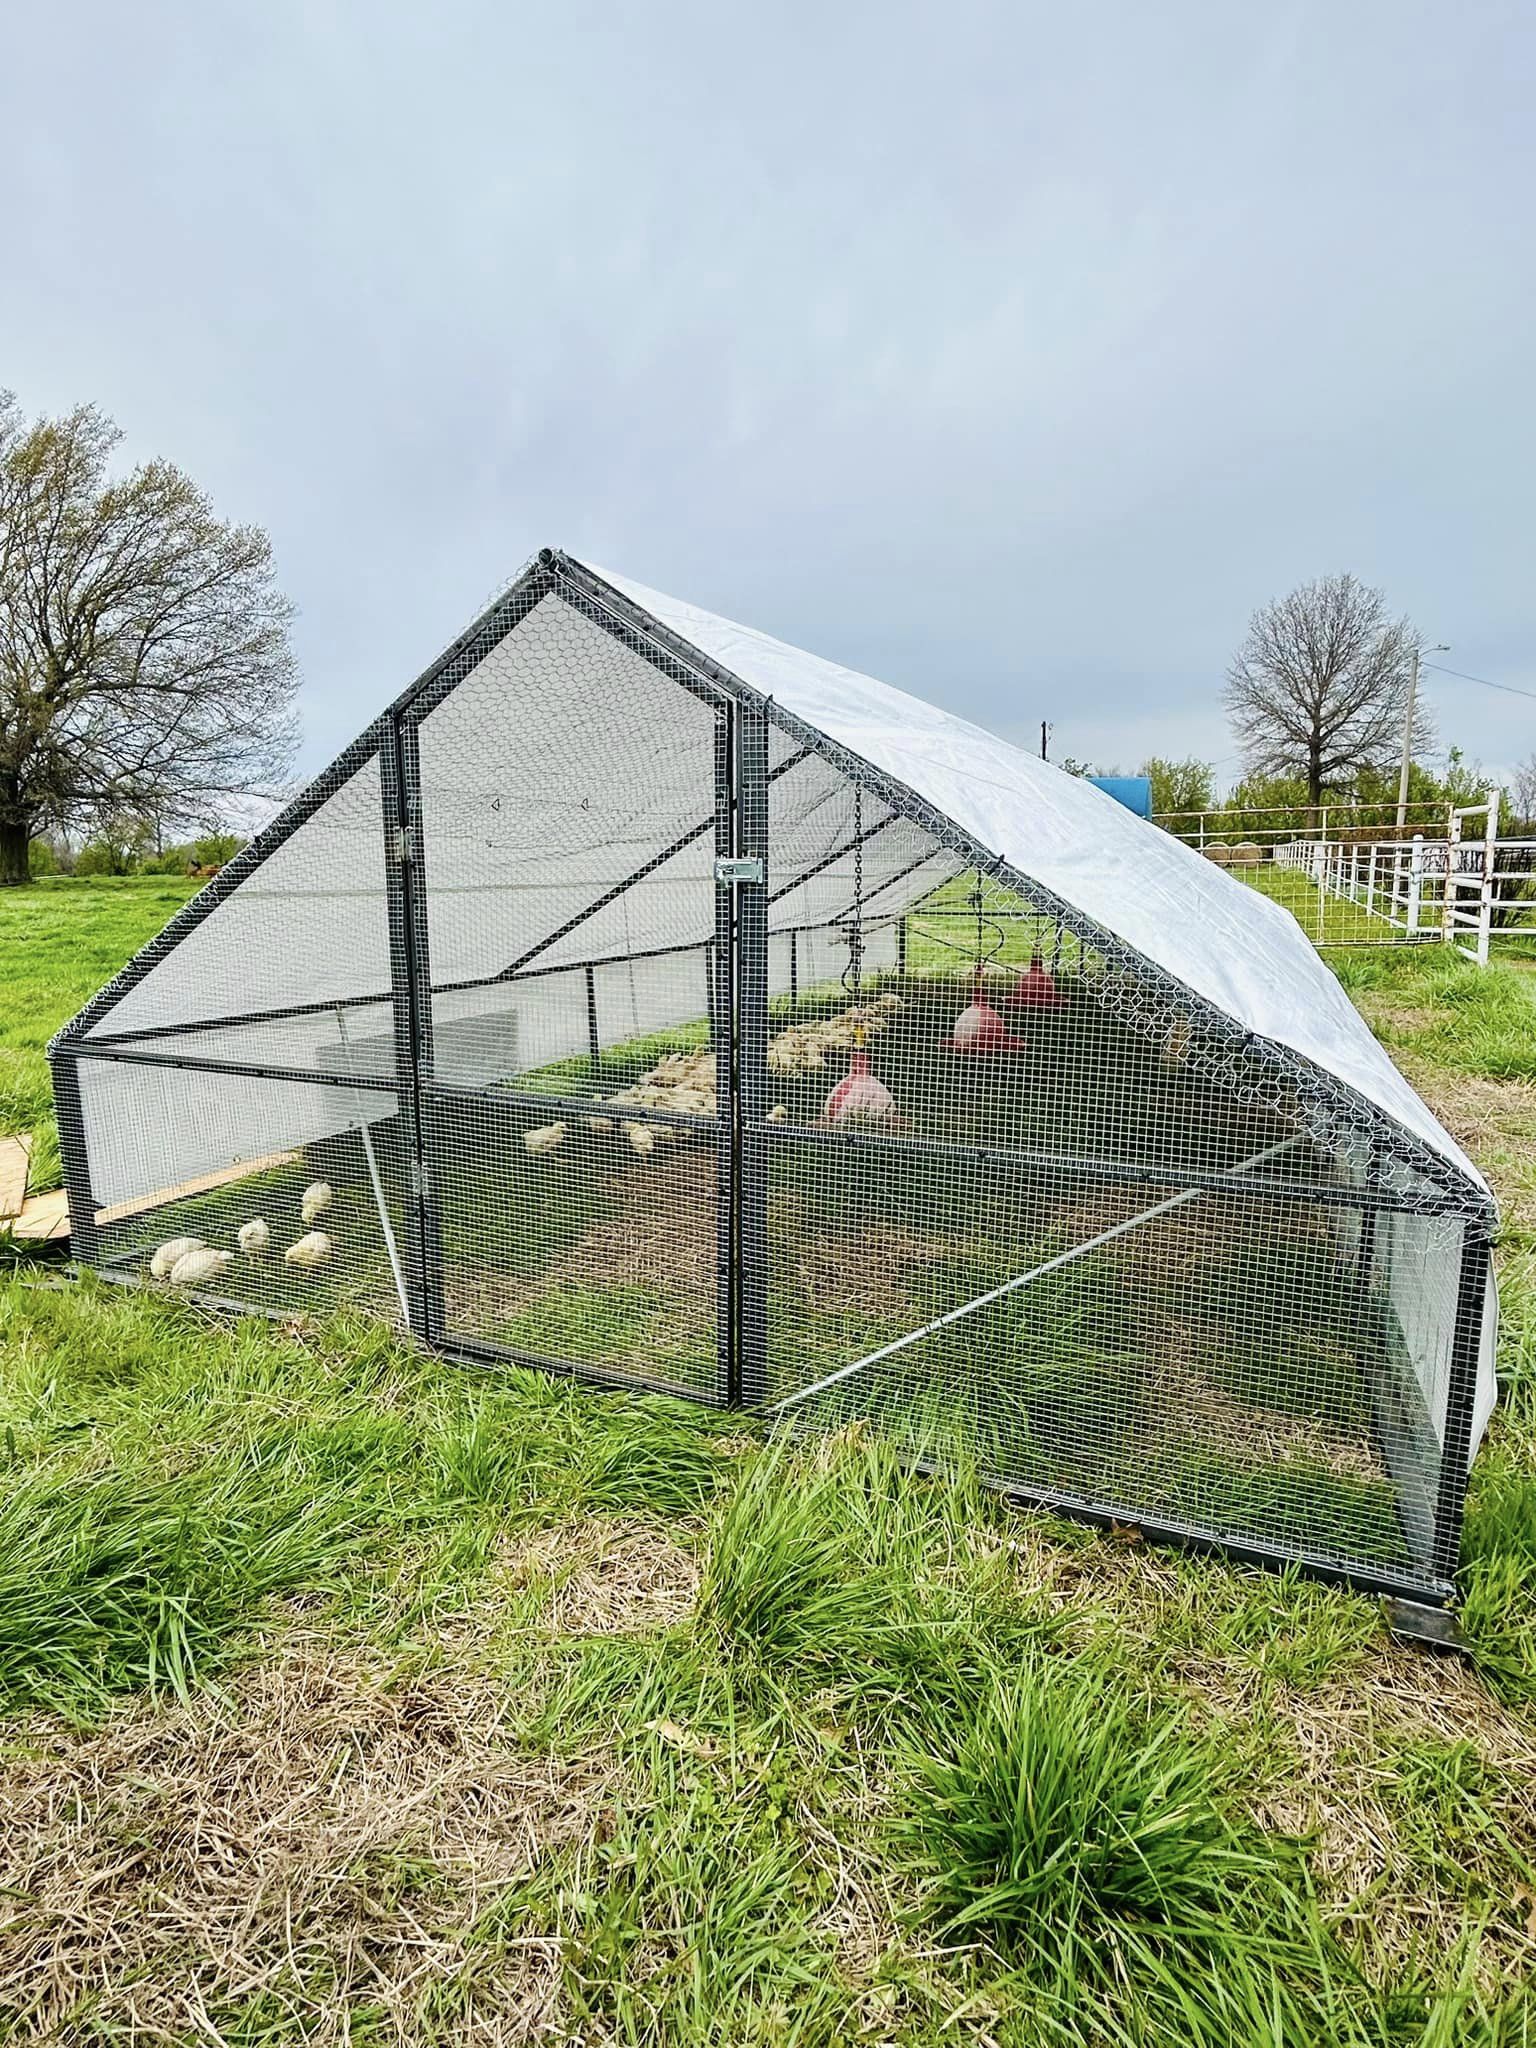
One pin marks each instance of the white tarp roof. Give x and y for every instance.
(1224, 940)
(1228, 942)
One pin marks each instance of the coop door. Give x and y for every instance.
(573, 1006)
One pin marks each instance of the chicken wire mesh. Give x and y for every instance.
(300, 1203)
(873, 1129)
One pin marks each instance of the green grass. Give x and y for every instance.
(60, 940)
(895, 1764)
(873, 1709)
(1480, 1021)
(1086, 1835)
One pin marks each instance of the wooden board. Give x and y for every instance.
(43, 1219)
(202, 1185)
(15, 1163)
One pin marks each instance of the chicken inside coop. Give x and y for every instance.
(683, 1084)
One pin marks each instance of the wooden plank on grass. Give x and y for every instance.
(202, 1185)
(43, 1219)
(15, 1162)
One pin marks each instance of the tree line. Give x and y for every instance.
(1321, 695)
(147, 683)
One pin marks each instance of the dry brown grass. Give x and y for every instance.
(1325, 1760)
(315, 1839)
(602, 1578)
(1493, 1120)
(1340, 1787)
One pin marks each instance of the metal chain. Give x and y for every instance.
(853, 973)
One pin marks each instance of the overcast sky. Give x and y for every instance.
(1012, 353)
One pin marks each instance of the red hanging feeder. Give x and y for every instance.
(980, 1028)
(860, 1097)
(1035, 988)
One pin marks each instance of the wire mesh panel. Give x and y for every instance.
(1017, 1210)
(286, 1196)
(573, 800)
(587, 1240)
(567, 805)
(306, 929)
(1202, 1361)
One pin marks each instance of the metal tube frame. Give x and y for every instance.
(739, 1002)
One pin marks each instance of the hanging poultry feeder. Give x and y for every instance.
(861, 1097)
(980, 1028)
(1035, 988)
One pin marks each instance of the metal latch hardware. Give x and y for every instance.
(728, 873)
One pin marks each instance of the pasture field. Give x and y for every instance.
(346, 1696)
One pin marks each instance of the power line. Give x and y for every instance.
(1508, 688)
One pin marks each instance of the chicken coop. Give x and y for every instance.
(642, 998)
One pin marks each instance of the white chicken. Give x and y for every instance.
(203, 1262)
(308, 1250)
(642, 1139)
(538, 1142)
(316, 1199)
(168, 1253)
(254, 1236)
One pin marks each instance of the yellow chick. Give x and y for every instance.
(254, 1236)
(168, 1253)
(1176, 1047)
(779, 1114)
(316, 1199)
(538, 1142)
(642, 1139)
(202, 1263)
(308, 1250)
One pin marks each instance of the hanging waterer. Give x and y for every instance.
(861, 1097)
(1035, 988)
(979, 1028)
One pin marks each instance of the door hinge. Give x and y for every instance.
(405, 843)
(730, 873)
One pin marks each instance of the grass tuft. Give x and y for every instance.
(115, 1580)
(1068, 1825)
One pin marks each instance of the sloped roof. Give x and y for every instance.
(1227, 942)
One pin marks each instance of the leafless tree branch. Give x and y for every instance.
(144, 658)
(1319, 687)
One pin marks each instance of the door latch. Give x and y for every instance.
(730, 873)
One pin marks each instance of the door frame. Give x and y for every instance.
(737, 982)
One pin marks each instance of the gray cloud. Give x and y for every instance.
(1012, 353)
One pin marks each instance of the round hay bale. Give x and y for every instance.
(1220, 854)
(1247, 854)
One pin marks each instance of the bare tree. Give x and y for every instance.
(144, 660)
(1319, 687)
(1522, 793)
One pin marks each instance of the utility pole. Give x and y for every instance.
(1413, 691)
